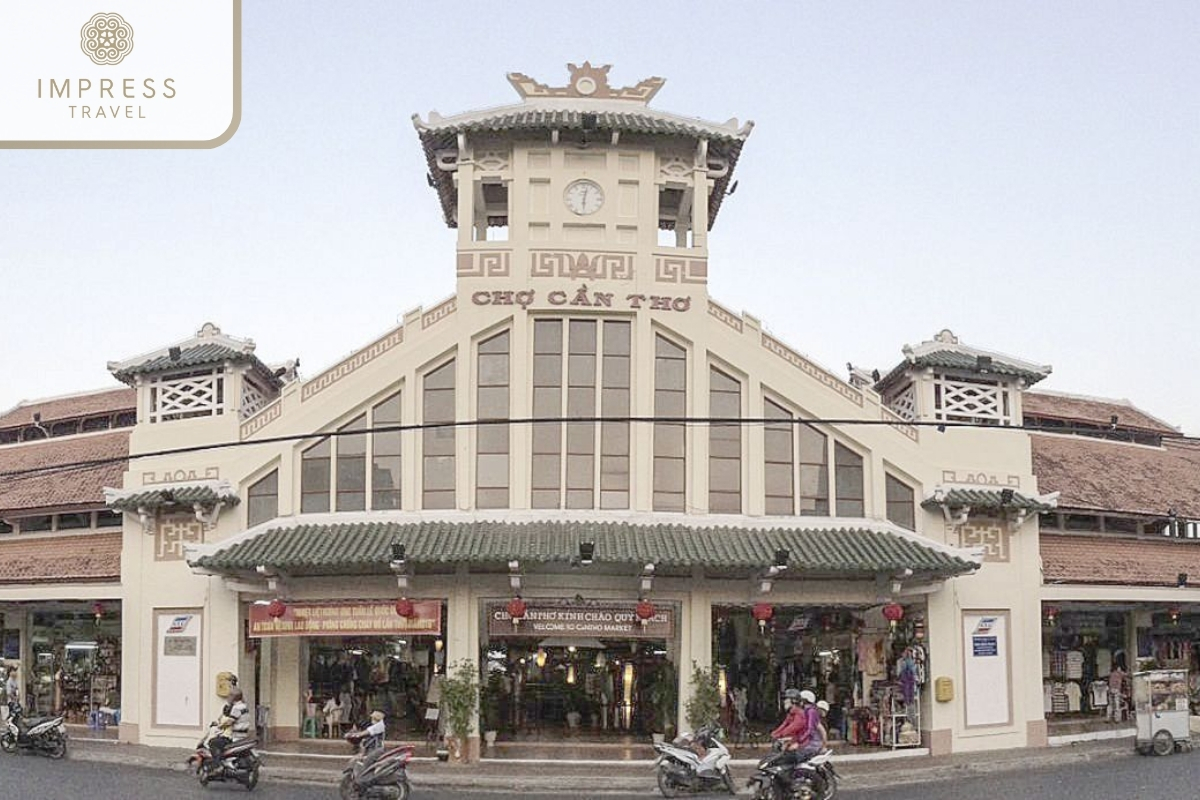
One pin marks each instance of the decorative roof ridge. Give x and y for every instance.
(942, 496)
(946, 341)
(219, 486)
(587, 81)
(643, 519)
(71, 437)
(436, 121)
(37, 401)
(1115, 401)
(208, 334)
(1100, 440)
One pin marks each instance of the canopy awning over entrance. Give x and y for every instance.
(833, 550)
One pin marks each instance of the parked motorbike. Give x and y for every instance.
(693, 763)
(47, 735)
(777, 778)
(238, 761)
(376, 773)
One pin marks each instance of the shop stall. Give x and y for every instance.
(869, 663)
(1084, 665)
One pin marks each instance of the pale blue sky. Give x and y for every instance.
(1024, 173)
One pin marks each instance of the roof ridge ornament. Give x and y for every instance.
(587, 81)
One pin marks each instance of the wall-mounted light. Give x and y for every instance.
(1182, 580)
(540, 658)
(1006, 497)
(398, 554)
(587, 553)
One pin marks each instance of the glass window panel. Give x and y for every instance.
(546, 472)
(69, 522)
(385, 455)
(668, 440)
(352, 467)
(109, 519)
(616, 372)
(779, 481)
(725, 475)
(581, 370)
(848, 467)
(547, 336)
(614, 473)
(546, 498)
(725, 502)
(670, 404)
(493, 370)
(614, 499)
(614, 402)
(36, 524)
(316, 471)
(901, 506)
(580, 473)
(438, 444)
(814, 472)
(493, 402)
(439, 473)
(779, 506)
(547, 402)
(261, 509)
(547, 370)
(670, 374)
(581, 438)
(497, 344)
(492, 471)
(547, 438)
(492, 438)
(581, 402)
(668, 501)
(438, 499)
(614, 438)
(616, 338)
(668, 475)
(813, 448)
(583, 336)
(777, 444)
(665, 348)
(579, 498)
(491, 498)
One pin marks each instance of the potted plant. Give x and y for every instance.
(662, 694)
(460, 700)
(703, 708)
(491, 707)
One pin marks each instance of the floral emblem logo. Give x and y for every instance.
(106, 38)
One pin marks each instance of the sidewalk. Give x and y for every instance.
(617, 776)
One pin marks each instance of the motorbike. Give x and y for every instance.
(777, 778)
(376, 773)
(693, 763)
(46, 735)
(238, 762)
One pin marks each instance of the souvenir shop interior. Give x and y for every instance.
(349, 677)
(1085, 667)
(869, 664)
(74, 663)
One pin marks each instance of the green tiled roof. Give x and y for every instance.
(984, 499)
(366, 547)
(952, 359)
(519, 118)
(169, 496)
(201, 355)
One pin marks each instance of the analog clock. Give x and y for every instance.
(584, 197)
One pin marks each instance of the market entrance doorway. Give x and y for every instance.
(579, 672)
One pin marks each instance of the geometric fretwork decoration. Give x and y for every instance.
(904, 402)
(991, 535)
(253, 398)
(971, 400)
(173, 532)
(197, 394)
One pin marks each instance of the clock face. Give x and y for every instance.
(584, 197)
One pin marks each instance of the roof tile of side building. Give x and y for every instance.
(61, 489)
(84, 404)
(1096, 410)
(946, 351)
(1126, 561)
(57, 559)
(1102, 475)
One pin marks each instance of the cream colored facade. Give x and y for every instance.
(560, 263)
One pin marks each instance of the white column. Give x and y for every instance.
(696, 644)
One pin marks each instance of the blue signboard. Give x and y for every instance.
(984, 646)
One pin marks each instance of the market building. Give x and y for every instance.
(526, 476)
(1120, 556)
(60, 553)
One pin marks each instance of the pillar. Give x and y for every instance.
(462, 644)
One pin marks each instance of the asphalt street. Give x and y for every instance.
(1173, 778)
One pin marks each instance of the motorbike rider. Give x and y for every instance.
(234, 723)
(799, 732)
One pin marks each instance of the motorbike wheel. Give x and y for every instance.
(58, 749)
(727, 778)
(405, 790)
(252, 778)
(347, 789)
(665, 785)
(8, 742)
(202, 775)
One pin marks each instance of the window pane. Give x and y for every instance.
(385, 460)
(263, 499)
(670, 399)
(849, 475)
(315, 474)
(616, 338)
(583, 336)
(814, 472)
(901, 508)
(438, 444)
(352, 467)
(547, 336)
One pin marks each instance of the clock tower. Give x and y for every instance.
(581, 193)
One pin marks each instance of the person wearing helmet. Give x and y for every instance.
(794, 728)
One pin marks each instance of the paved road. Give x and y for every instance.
(1173, 778)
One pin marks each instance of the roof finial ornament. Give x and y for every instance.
(586, 81)
(946, 336)
(207, 331)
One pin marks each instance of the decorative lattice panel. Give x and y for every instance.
(254, 399)
(960, 400)
(173, 533)
(991, 535)
(904, 402)
(187, 396)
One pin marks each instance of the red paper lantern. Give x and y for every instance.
(98, 610)
(516, 610)
(1051, 615)
(1174, 611)
(893, 613)
(645, 611)
(763, 612)
(276, 608)
(405, 607)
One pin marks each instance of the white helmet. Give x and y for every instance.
(822, 705)
(808, 697)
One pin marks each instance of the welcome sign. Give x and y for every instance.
(79, 73)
